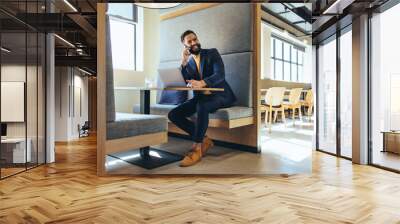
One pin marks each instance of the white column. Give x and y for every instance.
(50, 99)
(360, 90)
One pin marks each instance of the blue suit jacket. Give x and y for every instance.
(212, 68)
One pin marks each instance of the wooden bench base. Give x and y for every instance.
(241, 135)
(217, 123)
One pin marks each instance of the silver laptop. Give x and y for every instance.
(171, 77)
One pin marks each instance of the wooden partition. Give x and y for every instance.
(92, 99)
(101, 88)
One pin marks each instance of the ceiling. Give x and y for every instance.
(298, 15)
(330, 15)
(75, 21)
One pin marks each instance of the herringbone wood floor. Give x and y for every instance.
(70, 192)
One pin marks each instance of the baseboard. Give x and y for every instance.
(240, 147)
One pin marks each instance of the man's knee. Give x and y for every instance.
(172, 115)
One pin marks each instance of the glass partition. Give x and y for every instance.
(22, 64)
(14, 153)
(327, 96)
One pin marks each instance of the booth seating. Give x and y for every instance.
(231, 117)
(126, 131)
(238, 74)
(127, 125)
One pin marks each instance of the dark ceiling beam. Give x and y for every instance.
(284, 12)
(78, 61)
(49, 22)
(11, 25)
(89, 70)
(289, 23)
(79, 19)
(299, 22)
(91, 5)
(16, 18)
(86, 51)
(303, 12)
(84, 24)
(337, 7)
(322, 23)
(325, 23)
(331, 29)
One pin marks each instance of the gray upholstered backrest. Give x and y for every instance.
(227, 27)
(110, 100)
(238, 72)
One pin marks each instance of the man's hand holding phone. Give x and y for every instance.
(185, 56)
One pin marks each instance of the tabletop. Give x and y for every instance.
(168, 88)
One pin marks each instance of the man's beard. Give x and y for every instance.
(195, 51)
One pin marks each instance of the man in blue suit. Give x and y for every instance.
(200, 68)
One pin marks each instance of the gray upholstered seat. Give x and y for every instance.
(128, 125)
(230, 113)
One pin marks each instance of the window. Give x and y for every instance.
(327, 97)
(345, 83)
(286, 61)
(126, 33)
(385, 89)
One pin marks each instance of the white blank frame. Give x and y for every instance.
(12, 101)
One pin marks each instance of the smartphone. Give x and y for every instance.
(187, 50)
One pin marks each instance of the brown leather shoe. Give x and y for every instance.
(192, 157)
(207, 144)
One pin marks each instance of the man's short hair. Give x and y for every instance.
(187, 32)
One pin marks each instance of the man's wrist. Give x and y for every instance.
(184, 63)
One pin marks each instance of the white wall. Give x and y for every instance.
(70, 83)
(12, 73)
(265, 52)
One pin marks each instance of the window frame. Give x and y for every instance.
(137, 22)
(292, 77)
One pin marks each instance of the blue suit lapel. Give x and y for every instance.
(203, 55)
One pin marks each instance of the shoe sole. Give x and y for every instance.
(190, 164)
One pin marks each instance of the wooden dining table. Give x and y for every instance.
(287, 90)
(150, 156)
